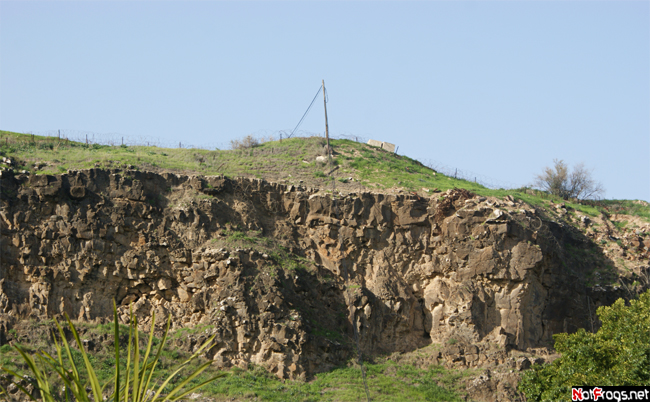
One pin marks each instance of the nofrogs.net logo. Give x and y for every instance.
(607, 394)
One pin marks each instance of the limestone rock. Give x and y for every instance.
(405, 270)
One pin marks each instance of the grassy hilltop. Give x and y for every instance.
(290, 160)
(354, 167)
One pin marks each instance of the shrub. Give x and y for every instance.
(618, 354)
(559, 181)
(247, 142)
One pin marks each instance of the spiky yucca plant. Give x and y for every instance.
(133, 386)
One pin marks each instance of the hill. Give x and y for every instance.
(620, 228)
(297, 276)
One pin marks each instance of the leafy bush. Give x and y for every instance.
(618, 354)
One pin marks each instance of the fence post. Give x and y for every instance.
(122, 140)
(59, 135)
(86, 139)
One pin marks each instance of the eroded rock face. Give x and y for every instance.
(407, 270)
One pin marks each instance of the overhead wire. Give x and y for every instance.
(307, 111)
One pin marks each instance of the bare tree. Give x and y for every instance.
(558, 180)
(247, 142)
(582, 185)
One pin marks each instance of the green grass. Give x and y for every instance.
(249, 238)
(382, 169)
(627, 207)
(184, 332)
(238, 238)
(275, 161)
(387, 381)
(370, 167)
(63, 155)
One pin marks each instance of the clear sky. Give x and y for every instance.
(497, 88)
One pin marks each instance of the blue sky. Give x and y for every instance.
(496, 88)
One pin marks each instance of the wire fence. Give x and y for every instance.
(116, 139)
(468, 175)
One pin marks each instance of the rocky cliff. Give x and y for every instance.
(289, 278)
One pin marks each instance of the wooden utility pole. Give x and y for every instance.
(329, 149)
(327, 132)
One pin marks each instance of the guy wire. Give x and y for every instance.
(307, 111)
